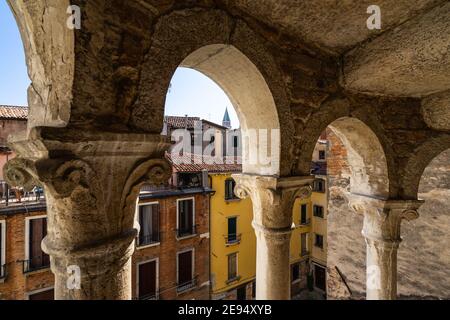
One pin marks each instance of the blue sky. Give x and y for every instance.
(14, 79)
(192, 92)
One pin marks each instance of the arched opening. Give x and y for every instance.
(424, 240)
(207, 189)
(348, 160)
(251, 97)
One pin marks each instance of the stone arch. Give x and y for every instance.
(370, 159)
(50, 58)
(417, 163)
(231, 54)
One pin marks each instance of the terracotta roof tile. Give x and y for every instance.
(181, 122)
(198, 163)
(13, 112)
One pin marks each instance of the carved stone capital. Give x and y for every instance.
(91, 181)
(383, 218)
(272, 197)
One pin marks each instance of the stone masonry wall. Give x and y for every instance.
(424, 257)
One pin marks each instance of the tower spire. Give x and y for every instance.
(226, 122)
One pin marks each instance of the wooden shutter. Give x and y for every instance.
(147, 279)
(232, 263)
(38, 230)
(184, 267)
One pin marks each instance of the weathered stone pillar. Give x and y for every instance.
(273, 200)
(91, 181)
(382, 221)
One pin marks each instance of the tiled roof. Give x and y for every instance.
(198, 163)
(181, 122)
(176, 122)
(13, 112)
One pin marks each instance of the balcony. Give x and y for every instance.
(304, 253)
(17, 196)
(233, 279)
(307, 222)
(149, 239)
(232, 239)
(186, 232)
(153, 296)
(36, 264)
(186, 286)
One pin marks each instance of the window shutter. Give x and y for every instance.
(184, 267)
(147, 279)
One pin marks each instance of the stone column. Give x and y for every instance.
(382, 221)
(91, 181)
(273, 200)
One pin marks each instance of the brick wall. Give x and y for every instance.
(166, 252)
(17, 284)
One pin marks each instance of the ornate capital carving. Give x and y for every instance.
(151, 171)
(273, 198)
(383, 218)
(20, 172)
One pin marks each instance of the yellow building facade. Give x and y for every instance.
(233, 242)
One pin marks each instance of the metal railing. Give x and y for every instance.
(232, 238)
(151, 296)
(186, 232)
(36, 264)
(181, 287)
(305, 223)
(10, 196)
(149, 239)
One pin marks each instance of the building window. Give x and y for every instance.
(149, 222)
(320, 276)
(304, 239)
(230, 184)
(304, 214)
(192, 139)
(232, 236)
(2, 249)
(47, 294)
(235, 141)
(213, 139)
(232, 266)
(241, 293)
(318, 211)
(189, 180)
(186, 211)
(254, 289)
(148, 280)
(36, 259)
(319, 185)
(295, 269)
(322, 155)
(185, 275)
(319, 241)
